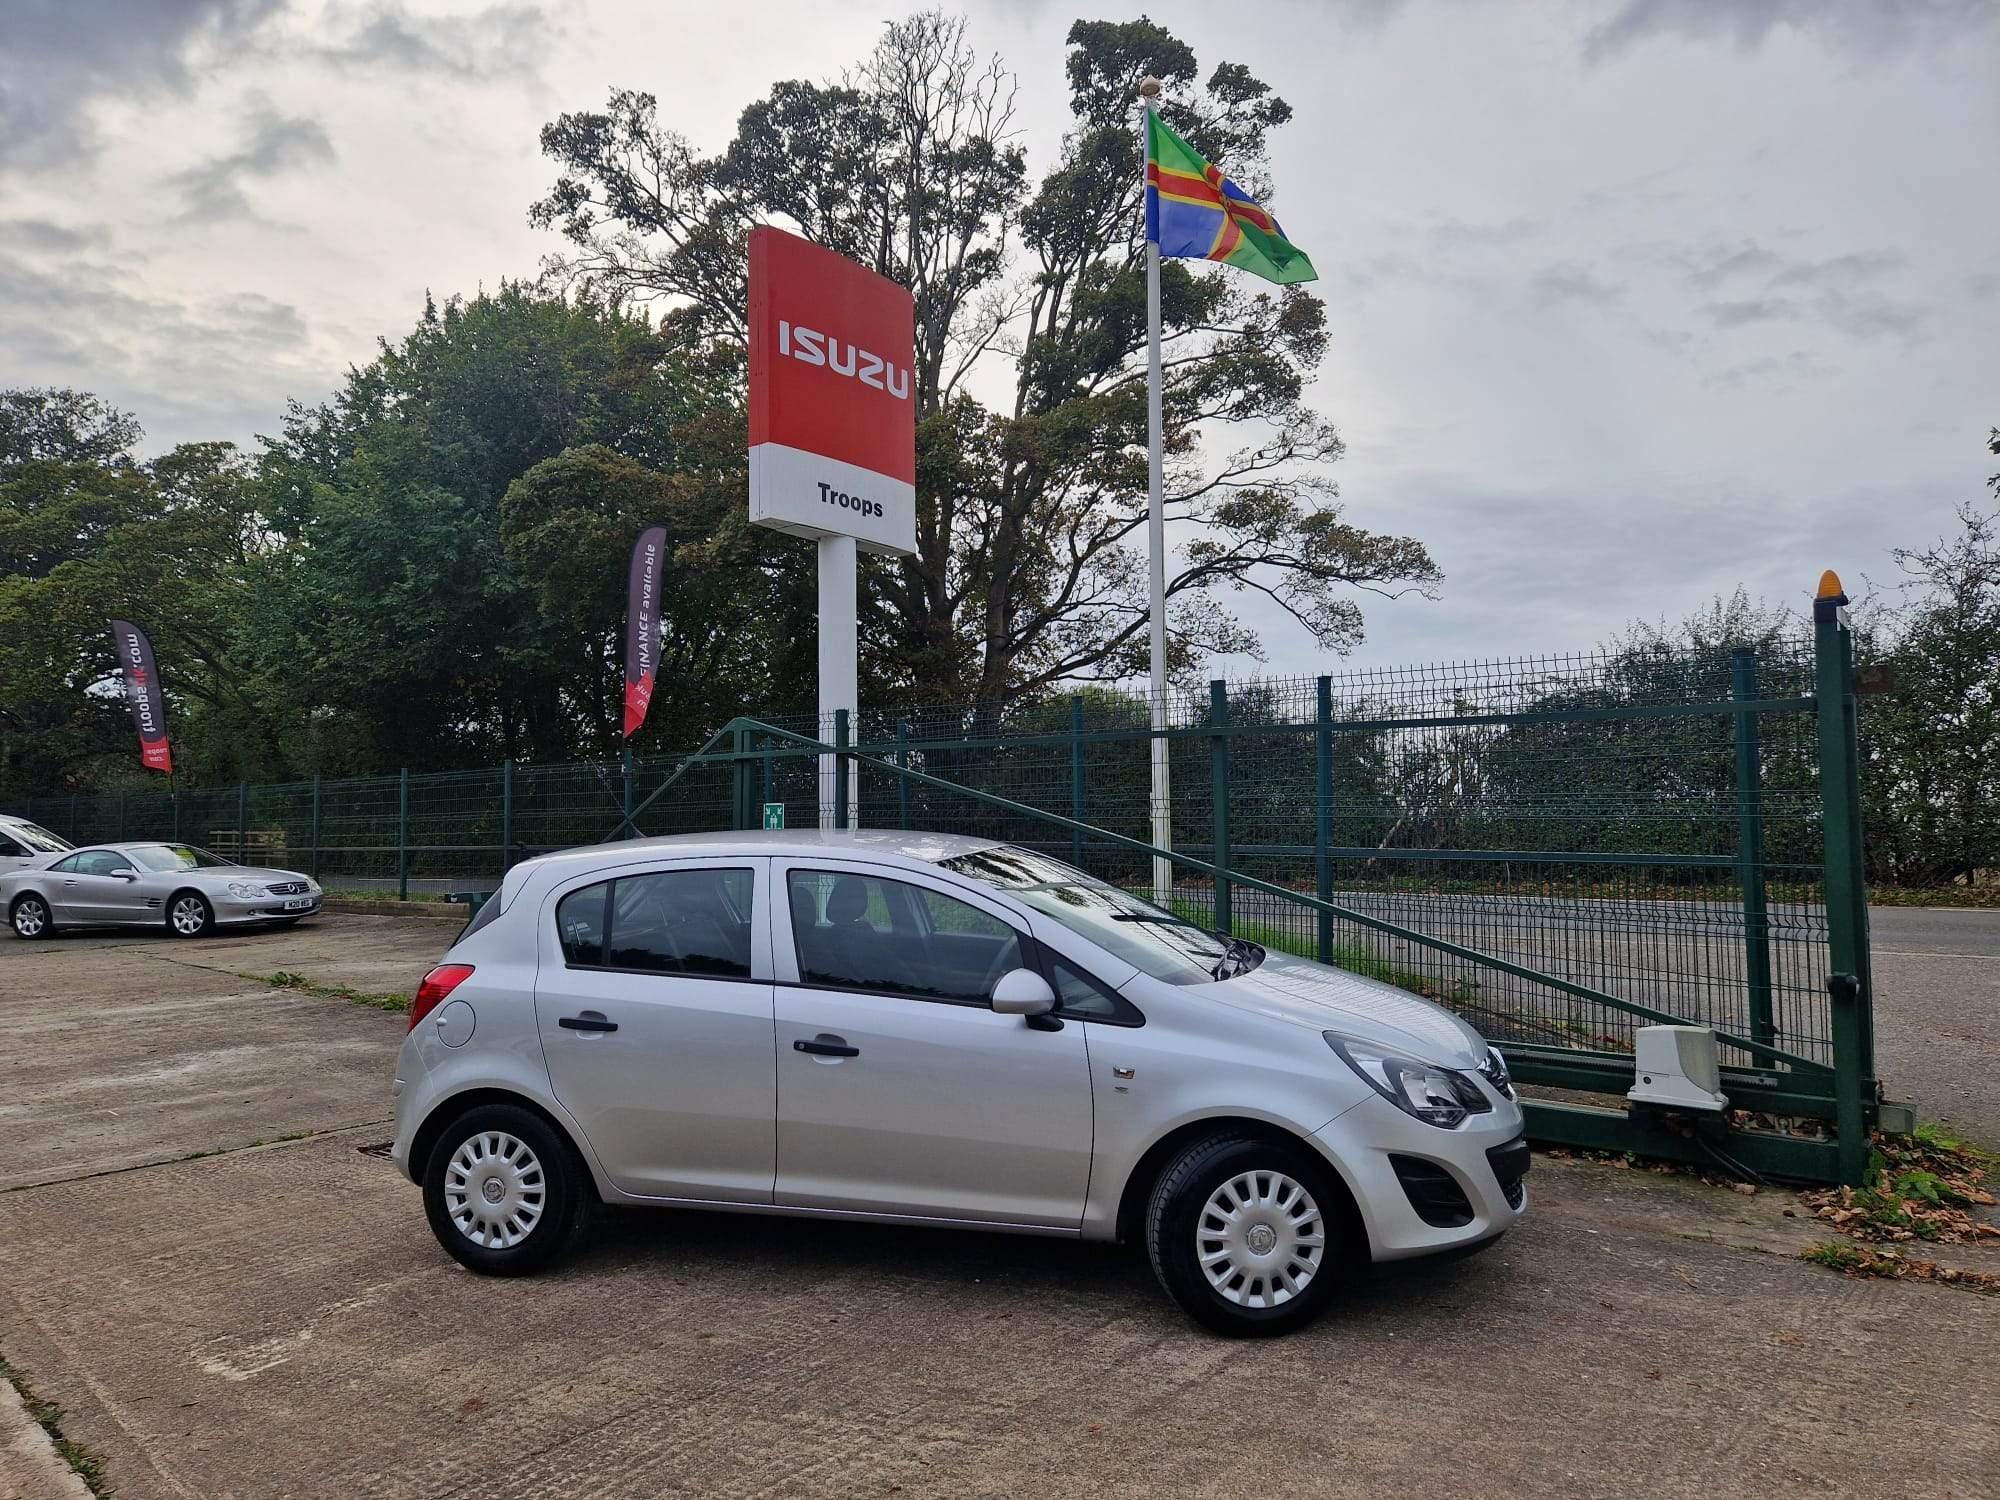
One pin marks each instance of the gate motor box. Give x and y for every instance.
(1677, 1068)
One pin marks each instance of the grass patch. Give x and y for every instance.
(1851, 1259)
(285, 979)
(46, 1415)
(339, 893)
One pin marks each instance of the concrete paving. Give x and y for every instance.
(123, 1050)
(276, 1320)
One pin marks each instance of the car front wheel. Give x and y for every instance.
(188, 915)
(503, 1192)
(32, 919)
(1249, 1236)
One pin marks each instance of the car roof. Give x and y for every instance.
(927, 848)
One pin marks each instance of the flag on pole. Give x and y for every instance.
(143, 695)
(642, 624)
(1193, 212)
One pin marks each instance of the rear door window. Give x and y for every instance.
(688, 922)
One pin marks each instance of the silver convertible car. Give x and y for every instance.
(187, 890)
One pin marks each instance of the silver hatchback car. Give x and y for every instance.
(928, 1029)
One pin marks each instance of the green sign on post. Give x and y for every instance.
(774, 815)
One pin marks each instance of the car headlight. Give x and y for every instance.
(1435, 1095)
(246, 890)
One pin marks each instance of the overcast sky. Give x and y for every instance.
(1631, 300)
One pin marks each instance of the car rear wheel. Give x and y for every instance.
(1249, 1236)
(32, 918)
(504, 1193)
(189, 915)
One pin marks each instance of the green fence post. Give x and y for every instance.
(121, 817)
(314, 871)
(625, 773)
(739, 780)
(1323, 821)
(1076, 777)
(1218, 718)
(506, 816)
(403, 834)
(840, 768)
(1864, 969)
(1849, 1107)
(903, 782)
(1841, 878)
(74, 830)
(242, 819)
(1750, 848)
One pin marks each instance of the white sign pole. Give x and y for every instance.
(1156, 534)
(839, 665)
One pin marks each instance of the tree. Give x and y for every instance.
(411, 612)
(1029, 512)
(1933, 773)
(88, 532)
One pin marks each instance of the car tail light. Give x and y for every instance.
(437, 984)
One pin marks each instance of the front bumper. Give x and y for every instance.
(1481, 1160)
(230, 910)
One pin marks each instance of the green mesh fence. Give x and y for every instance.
(1585, 817)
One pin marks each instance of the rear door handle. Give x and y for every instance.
(826, 1045)
(588, 1021)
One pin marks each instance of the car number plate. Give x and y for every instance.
(304, 903)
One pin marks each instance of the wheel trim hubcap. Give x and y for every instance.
(1260, 1240)
(28, 918)
(495, 1190)
(187, 915)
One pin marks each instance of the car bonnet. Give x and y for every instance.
(1327, 999)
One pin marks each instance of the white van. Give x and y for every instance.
(27, 846)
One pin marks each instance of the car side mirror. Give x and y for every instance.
(1022, 992)
(125, 874)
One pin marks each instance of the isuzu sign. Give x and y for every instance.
(142, 692)
(833, 411)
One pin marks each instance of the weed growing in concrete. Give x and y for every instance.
(46, 1415)
(285, 979)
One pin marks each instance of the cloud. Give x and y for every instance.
(1568, 282)
(58, 57)
(43, 234)
(1769, 369)
(503, 39)
(276, 144)
(183, 361)
(1870, 26)
(1453, 235)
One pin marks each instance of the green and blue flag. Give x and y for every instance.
(1193, 212)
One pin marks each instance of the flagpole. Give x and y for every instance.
(1156, 530)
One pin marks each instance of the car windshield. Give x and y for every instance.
(1151, 939)
(36, 838)
(177, 857)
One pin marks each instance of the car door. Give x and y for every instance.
(654, 1005)
(13, 856)
(900, 1091)
(83, 889)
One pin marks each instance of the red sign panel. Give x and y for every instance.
(833, 412)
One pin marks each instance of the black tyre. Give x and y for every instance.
(504, 1193)
(1251, 1237)
(189, 915)
(31, 918)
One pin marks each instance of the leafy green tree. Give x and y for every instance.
(1031, 510)
(88, 532)
(411, 617)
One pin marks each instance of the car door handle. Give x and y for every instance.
(826, 1045)
(588, 1021)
